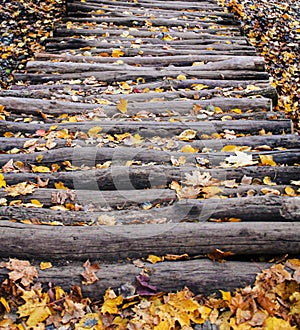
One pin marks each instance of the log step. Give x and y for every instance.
(208, 277)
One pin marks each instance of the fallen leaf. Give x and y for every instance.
(111, 302)
(241, 159)
(219, 255)
(106, 220)
(290, 191)
(117, 53)
(144, 288)
(89, 274)
(21, 270)
(189, 149)
(22, 188)
(2, 181)
(45, 265)
(267, 160)
(40, 169)
(122, 105)
(94, 131)
(187, 135)
(154, 259)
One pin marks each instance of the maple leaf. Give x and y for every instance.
(72, 311)
(35, 307)
(190, 192)
(21, 270)
(8, 167)
(241, 159)
(89, 273)
(111, 302)
(199, 179)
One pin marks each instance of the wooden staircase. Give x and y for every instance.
(147, 127)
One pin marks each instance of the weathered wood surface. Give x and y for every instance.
(182, 107)
(291, 141)
(119, 156)
(97, 201)
(238, 63)
(111, 76)
(162, 129)
(113, 243)
(141, 177)
(276, 209)
(208, 277)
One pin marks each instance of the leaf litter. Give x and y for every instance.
(272, 302)
(273, 27)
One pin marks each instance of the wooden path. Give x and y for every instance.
(157, 117)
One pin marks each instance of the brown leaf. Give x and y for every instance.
(8, 167)
(219, 255)
(21, 270)
(89, 273)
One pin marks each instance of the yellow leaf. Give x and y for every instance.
(117, 53)
(8, 134)
(45, 265)
(181, 77)
(122, 105)
(40, 169)
(226, 295)
(290, 191)
(36, 203)
(140, 80)
(60, 185)
(94, 131)
(167, 37)
(39, 314)
(230, 148)
(111, 302)
(59, 293)
(267, 160)
(270, 191)
(272, 323)
(199, 87)
(204, 311)
(39, 158)
(189, 149)
(218, 110)
(4, 302)
(2, 181)
(267, 180)
(239, 111)
(187, 135)
(154, 259)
